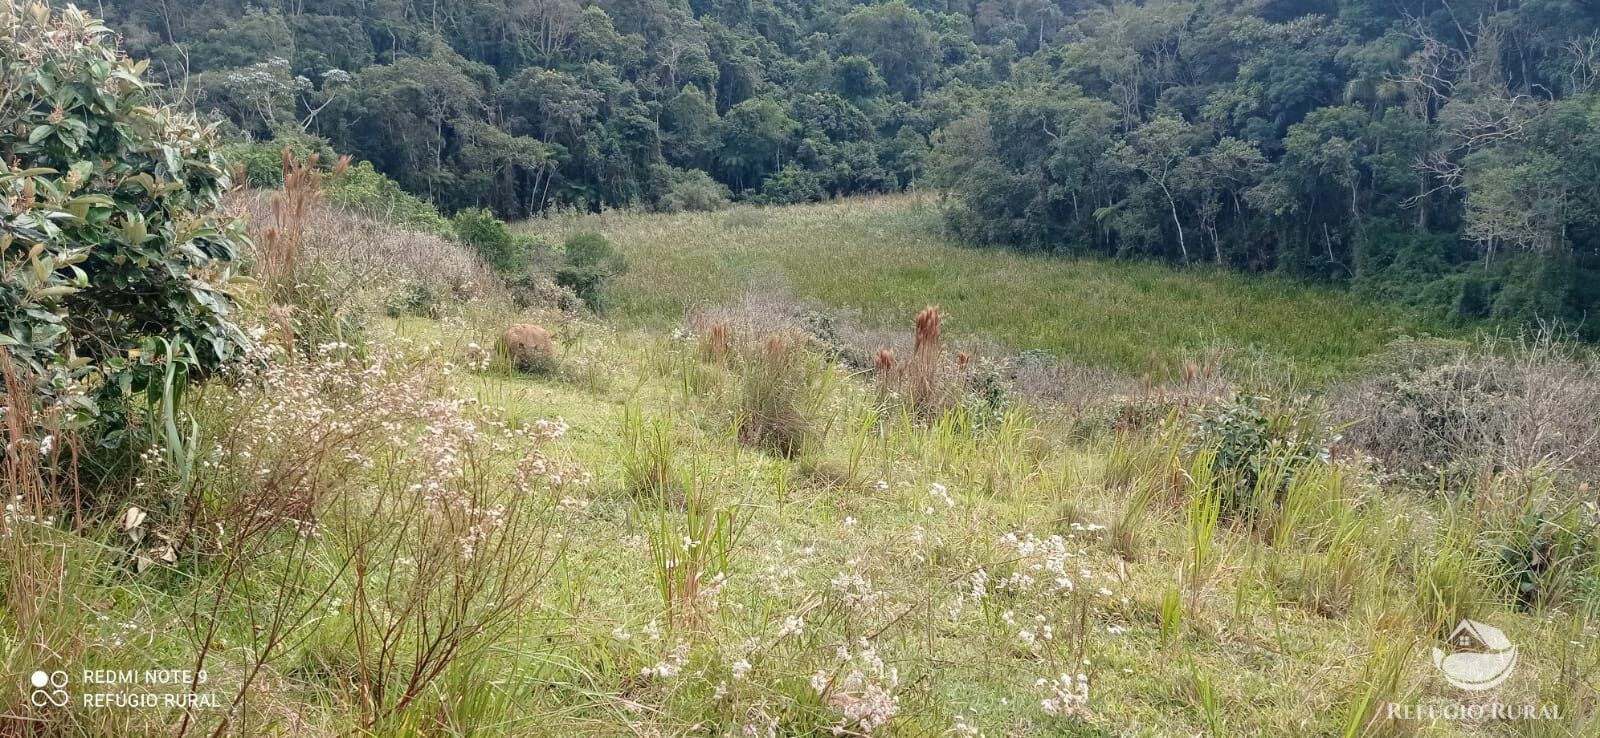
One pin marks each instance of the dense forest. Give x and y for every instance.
(1445, 153)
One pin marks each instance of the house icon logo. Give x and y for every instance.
(1477, 656)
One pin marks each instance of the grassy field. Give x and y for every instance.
(882, 259)
(659, 535)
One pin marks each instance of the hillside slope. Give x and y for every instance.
(719, 532)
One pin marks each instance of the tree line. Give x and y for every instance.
(1441, 153)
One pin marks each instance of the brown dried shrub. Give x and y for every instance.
(1433, 408)
(353, 256)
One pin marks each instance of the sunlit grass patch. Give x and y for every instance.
(884, 259)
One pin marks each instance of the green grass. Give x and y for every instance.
(1185, 621)
(884, 259)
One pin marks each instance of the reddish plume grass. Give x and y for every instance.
(927, 356)
(716, 343)
(280, 244)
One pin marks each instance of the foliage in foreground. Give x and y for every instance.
(116, 256)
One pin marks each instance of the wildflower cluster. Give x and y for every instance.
(1043, 593)
(861, 689)
(1065, 696)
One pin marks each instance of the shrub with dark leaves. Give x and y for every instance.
(1257, 441)
(113, 244)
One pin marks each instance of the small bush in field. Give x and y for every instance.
(588, 262)
(413, 299)
(694, 190)
(1259, 443)
(113, 241)
(538, 290)
(487, 234)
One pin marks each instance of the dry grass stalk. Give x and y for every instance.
(716, 343)
(280, 245)
(40, 477)
(927, 357)
(23, 476)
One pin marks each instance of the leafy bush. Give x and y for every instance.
(368, 192)
(538, 290)
(792, 185)
(262, 161)
(694, 190)
(478, 228)
(589, 261)
(1259, 446)
(413, 299)
(114, 248)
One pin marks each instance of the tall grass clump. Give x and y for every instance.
(930, 382)
(1381, 683)
(783, 389)
(1144, 470)
(1452, 576)
(278, 253)
(1204, 514)
(1541, 536)
(649, 456)
(45, 564)
(691, 558)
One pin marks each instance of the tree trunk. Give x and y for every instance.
(1174, 205)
